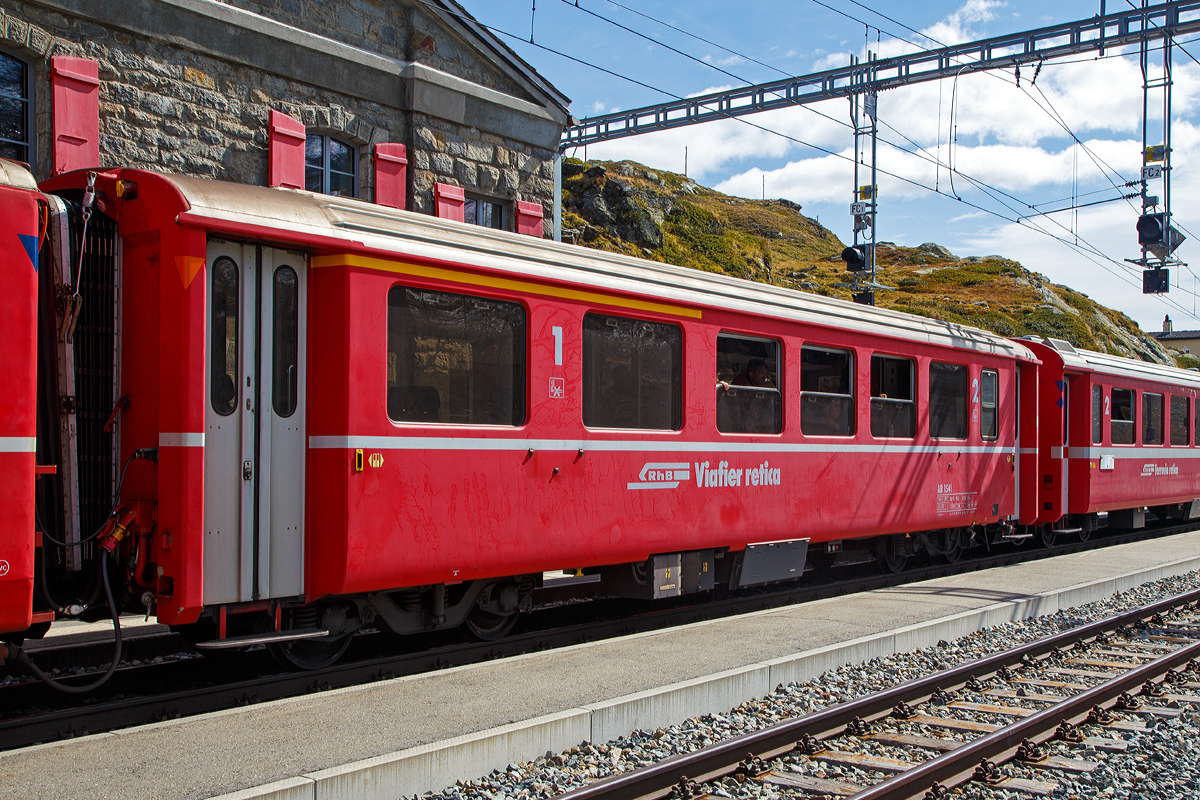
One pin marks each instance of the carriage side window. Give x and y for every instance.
(947, 401)
(748, 398)
(223, 359)
(632, 373)
(1152, 418)
(893, 403)
(455, 359)
(1121, 424)
(1097, 414)
(1179, 421)
(826, 391)
(285, 342)
(989, 386)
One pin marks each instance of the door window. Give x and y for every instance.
(989, 385)
(285, 341)
(226, 301)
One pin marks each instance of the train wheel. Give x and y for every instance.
(955, 548)
(1048, 536)
(1084, 534)
(486, 626)
(889, 559)
(311, 653)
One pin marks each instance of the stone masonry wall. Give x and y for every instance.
(166, 108)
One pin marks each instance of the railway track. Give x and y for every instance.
(150, 692)
(1019, 721)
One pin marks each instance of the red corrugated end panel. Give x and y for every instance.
(75, 86)
(391, 174)
(449, 201)
(529, 218)
(286, 160)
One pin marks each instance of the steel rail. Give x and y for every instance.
(124, 711)
(723, 758)
(1118, 29)
(957, 766)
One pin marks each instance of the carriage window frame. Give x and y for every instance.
(611, 413)
(811, 398)
(738, 405)
(222, 341)
(22, 94)
(1185, 425)
(963, 428)
(994, 376)
(1097, 414)
(410, 408)
(881, 402)
(1124, 439)
(1149, 401)
(319, 174)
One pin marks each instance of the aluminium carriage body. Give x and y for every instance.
(348, 400)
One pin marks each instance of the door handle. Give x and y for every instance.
(247, 471)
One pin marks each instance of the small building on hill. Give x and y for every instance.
(1182, 341)
(190, 88)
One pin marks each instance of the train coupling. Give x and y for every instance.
(8, 652)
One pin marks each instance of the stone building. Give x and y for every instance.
(187, 86)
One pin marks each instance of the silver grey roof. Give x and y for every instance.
(1090, 360)
(420, 236)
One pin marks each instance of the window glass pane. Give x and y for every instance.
(748, 398)
(314, 180)
(893, 410)
(495, 216)
(455, 359)
(989, 384)
(285, 350)
(1152, 418)
(947, 401)
(15, 152)
(223, 369)
(632, 373)
(1121, 416)
(1097, 414)
(826, 393)
(471, 211)
(12, 77)
(1179, 421)
(341, 157)
(12, 119)
(314, 151)
(341, 185)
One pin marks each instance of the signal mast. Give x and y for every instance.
(860, 256)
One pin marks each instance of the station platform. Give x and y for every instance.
(409, 735)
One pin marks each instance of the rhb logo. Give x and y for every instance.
(709, 475)
(661, 476)
(1153, 470)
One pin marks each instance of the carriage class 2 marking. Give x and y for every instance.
(1153, 470)
(952, 502)
(708, 475)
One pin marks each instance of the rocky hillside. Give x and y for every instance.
(628, 208)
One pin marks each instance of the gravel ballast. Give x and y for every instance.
(1161, 762)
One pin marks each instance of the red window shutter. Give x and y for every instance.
(449, 201)
(285, 162)
(75, 85)
(529, 218)
(391, 174)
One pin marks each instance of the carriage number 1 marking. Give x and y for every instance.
(557, 331)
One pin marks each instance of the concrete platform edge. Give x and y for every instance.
(434, 766)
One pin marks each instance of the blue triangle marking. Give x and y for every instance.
(1059, 402)
(1061, 385)
(31, 247)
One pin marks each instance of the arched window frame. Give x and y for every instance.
(317, 175)
(9, 148)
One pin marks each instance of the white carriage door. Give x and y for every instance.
(254, 431)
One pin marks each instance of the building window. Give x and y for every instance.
(15, 128)
(483, 212)
(748, 399)
(455, 359)
(330, 166)
(632, 373)
(947, 401)
(826, 391)
(1121, 420)
(893, 406)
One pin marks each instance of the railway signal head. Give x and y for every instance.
(1157, 236)
(855, 258)
(1156, 281)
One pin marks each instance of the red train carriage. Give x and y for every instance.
(359, 413)
(18, 420)
(1116, 435)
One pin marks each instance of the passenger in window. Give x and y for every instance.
(755, 374)
(826, 416)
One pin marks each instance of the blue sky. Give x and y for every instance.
(1011, 138)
